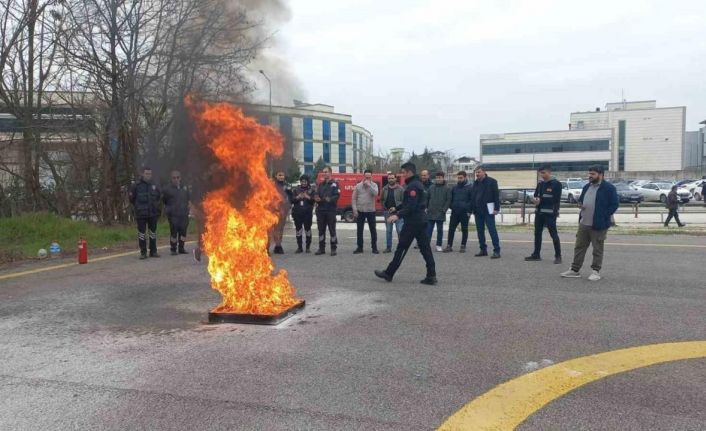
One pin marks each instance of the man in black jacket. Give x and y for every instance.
(486, 205)
(145, 198)
(673, 207)
(285, 192)
(302, 211)
(176, 199)
(547, 198)
(326, 197)
(413, 211)
(461, 206)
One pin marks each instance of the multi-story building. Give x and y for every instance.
(626, 136)
(316, 131)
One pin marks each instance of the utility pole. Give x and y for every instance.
(269, 118)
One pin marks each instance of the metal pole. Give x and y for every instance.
(269, 118)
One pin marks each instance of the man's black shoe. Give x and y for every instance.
(533, 258)
(382, 274)
(495, 255)
(333, 252)
(299, 250)
(358, 251)
(375, 251)
(308, 250)
(430, 281)
(462, 249)
(557, 260)
(143, 256)
(682, 225)
(448, 249)
(183, 251)
(319, 252)
(173, 253)
(387, 250)
(278, 250)
(155, 254)
(481, 254)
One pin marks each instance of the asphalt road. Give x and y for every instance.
(120, 344)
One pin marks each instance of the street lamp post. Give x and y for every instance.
(269, 118)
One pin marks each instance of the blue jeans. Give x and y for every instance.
(483, 220)
(439, 230)
(388, 230)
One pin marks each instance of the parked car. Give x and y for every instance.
(658, 191)
(684, 182)
(628, 195)
(637, 185)
(695, 188)
(513, 196)
(571, 189)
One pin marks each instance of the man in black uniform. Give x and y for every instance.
(176, 204)
(326, 198)
(285, 192)
(547, 198)
(413, 211)
(302, 211)
(145, 198)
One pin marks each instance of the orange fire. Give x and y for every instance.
(240, 214)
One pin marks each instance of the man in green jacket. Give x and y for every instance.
(439, 201)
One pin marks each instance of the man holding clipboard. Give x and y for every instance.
(486, 200)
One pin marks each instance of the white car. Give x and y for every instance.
(657, 192)
(571, 189)
(637, 185)
(695, 189)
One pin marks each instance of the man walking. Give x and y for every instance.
(413, 211)
(285, 192)
(486, 202)
(673, 207)
(326, 197)
(363, 201)
(439, 201)
(392, 195)
(461, 206)
(302, 211)
(145, 198)
(176, 199)
(547, 198)
(598, 201)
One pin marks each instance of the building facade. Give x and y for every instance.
(315, 131)
(626, 136)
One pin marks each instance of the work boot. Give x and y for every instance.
(533, 258)
(481, 253)
(495, 255)
(462, 249)
(430, 281)
(143, 256)
(448, 249)
(358, 251)
(154, 254)
(333, 252)
(384, 275)
(682, 225)
(375, 251)
(319, 252)
(299, 250)
(308, 250)
(278, 250)
(557, 260)
(173, 253)
(183, 251)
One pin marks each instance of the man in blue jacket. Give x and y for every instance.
(598, 201)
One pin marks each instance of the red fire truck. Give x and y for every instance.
(346, 183)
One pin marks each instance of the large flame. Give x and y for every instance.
(240, 214)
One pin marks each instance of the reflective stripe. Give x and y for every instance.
(546, 211)
(547, 196)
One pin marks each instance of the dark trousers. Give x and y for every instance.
(324, 220)
(368, 217)
(673, 213)
(456, 218)
(178, 226)
(483, 220)
(439, 231)
(147, 227)
(541, 221)
(302, 224)
(411, 231)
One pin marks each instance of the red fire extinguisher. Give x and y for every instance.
(82, 251)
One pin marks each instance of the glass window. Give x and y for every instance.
(342, 153)
(308, 151)
(561, 166)
(308, 128)
(327, 130)
(341, 132)
(546, 147)
(327, 153)
(621, 145)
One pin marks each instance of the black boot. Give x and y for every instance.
(430, 280)
(384, 275)
(182, 250)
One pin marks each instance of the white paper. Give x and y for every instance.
(491, 208)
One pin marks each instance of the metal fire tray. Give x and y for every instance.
(256, 319)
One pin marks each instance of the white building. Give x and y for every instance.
(464, 163)
(626, 136)
(316, 131)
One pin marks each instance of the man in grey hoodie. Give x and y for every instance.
(363, 201)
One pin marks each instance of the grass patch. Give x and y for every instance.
(21, 237)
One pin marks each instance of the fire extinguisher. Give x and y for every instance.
(82, 251)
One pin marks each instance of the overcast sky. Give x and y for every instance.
(432, 73)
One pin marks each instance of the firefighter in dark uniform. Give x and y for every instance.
(303, 211)
(145, 198)
(413, 211)
(176, 199)
(326, 197)
(547, 198)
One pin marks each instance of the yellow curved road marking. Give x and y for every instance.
(508, 405)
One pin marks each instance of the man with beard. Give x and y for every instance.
(438, 203)
(461, 206)
(363, 200)
(599, 201)
(145, 198)
(176, 199)
(413, 211)
(326, 197)
(302, 211)
(392, 196)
